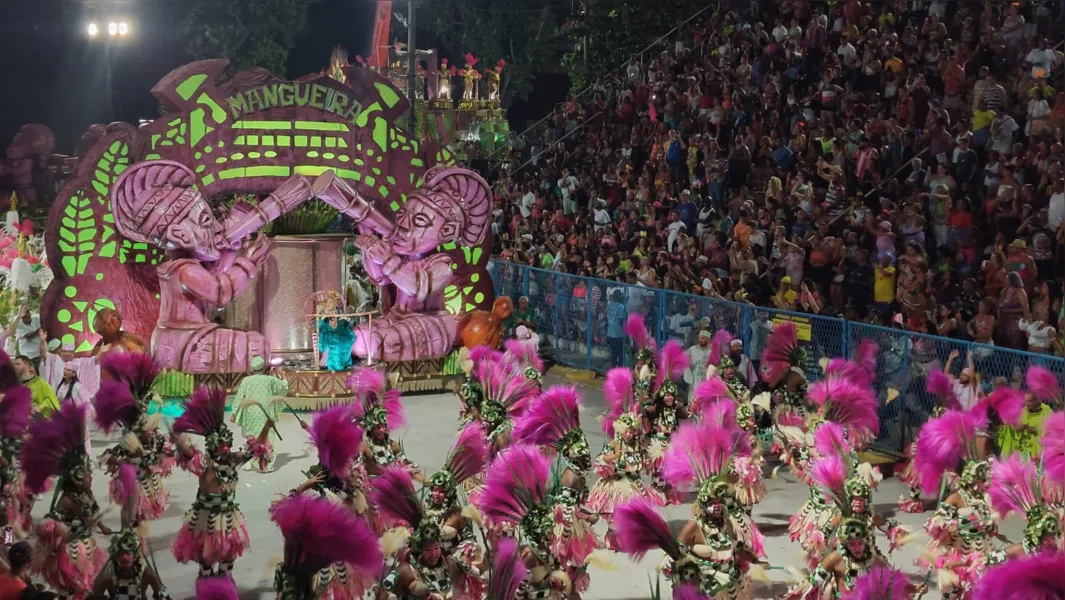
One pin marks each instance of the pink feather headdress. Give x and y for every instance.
(8, 376)
(479, 354)
(701, 451)
(128, 488)
(115, 405)
(688, 591)
(556, 413)
(218, 587)
(204, 412)
(525, 353)
(1015, 486)
(516, 481)
(672, 362)
(640, 528)
(16, 404)
(1054, 450)
(829, 473)
(709, 391)
(138, 370)
(880, 583)
(1007, 403)
(1044, 384)
(371, 389)
(780, 354)
(636, 329)
(944, 442)
(319, 532)
(941, 386)
(49, 441)
(508, 571)
(720, 411)
(830, 440)
(337, 439)
(502, 381)
(722, 337)
(394, 496)
(851, 404)
(619, 396)
(1037, 577)
(469, 455)
(866, 356)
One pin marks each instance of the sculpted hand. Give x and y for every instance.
(374, 249)
(258, 249)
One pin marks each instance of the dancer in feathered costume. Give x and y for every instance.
(1053, 465)
(319, 533)
(645, 370)
(1017, 487)
(129, 574)
(1036, 577)
(516, 493)
(380, 412)
(214, 533)
(716, 402)
(939, 385)
(665, 414)
(123, 400)
(468, 457)
(783, 369)
(706, 566)
(507, 394)
(723, 365)
(528, 359)
(16, 405)
(340, 478)
(553, 424)
(469, 389)
(67, 556)
(620, 463)
(422, 569)
(963, 528)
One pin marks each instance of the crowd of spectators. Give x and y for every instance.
(899, 163)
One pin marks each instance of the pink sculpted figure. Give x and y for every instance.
(453, 205)
(210, 263)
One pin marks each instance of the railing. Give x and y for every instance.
(575, 323)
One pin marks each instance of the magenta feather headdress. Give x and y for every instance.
(880, 583)
(508, 571)
(138, 370)
(319, 532)
(481, 356)
(720, 411)
(779, 354)
(866, 355)
(672, 362)
(700, 451)
(707, 392)
(8, 376)
(829, 473)
(941, 446)
(1044, 384)
(851, 404)
(1054, 449)
(115, 405)
(636, 329)
(830, 440)
(1007, 403)
(205, 411)
(722, 337)
(1014, 486)
(640, 528)
(1032, 577)
(556, 413)
(337, 438)
(941, 386)
(516, 481)
(218, 587)
(469, 455)
(128, 487)
(49, 441)
(371, 389)
(526, 353)
(840, 368)
(16, 404)
(688, 591)
(502, 381)
(618, 393)
(394, 496)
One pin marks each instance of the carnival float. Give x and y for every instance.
(265, 221)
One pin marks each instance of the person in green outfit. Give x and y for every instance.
(1024, 438)
(260, 397)
(44, 399)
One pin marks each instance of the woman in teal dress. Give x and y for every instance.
(336, 336)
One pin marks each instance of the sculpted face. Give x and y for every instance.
(422, 227)
(197, 233)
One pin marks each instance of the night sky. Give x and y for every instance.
(53, 74)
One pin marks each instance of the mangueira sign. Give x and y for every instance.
(276, 95)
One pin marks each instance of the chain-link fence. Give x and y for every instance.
(581, 324)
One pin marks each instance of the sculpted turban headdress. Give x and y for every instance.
(151, 196)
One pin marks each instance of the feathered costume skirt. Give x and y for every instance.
(750, 489)
(214, 531)
(340, 582)
(810, 527)
(68, 564)
(573, 538)
(616, 489)
(152, 498)
(18, 503)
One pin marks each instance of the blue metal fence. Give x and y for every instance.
(580, 320)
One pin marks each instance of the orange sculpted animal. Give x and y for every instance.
(483, 328)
